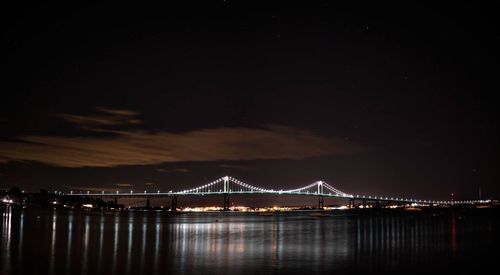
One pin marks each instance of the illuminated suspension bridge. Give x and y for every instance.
(227, 186)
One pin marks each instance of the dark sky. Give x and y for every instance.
(393, 99)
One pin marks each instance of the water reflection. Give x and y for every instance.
(6, 239)
(53, 242)
(115, 242)
(85, 245)
(70, 241)
(453, 234)
(21, 236)
(129, 245)
(143, 248)
(101, 244)
(157, 243)
(66, 242)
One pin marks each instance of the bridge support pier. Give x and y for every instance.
(173, 206)
(226, 202)
(320, 202)
(364, 204)
(148, 203)
(115, 202)
(351, 203)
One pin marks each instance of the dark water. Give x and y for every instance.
(35, 241)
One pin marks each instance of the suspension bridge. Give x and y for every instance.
(226, 186)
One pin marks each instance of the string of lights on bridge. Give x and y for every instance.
(230, 185)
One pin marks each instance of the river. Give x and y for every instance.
(49, 241)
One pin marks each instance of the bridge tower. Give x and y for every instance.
(226, 193)
(174, 203)
(320, 193)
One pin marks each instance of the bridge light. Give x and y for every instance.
(117, 191)
(71, 192)
(88, 192)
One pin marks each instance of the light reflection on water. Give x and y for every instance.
(115, 243)
(69, 242)
(101, 243)
(85, 244)
(53, 242)
(6, 238)
(38, 241)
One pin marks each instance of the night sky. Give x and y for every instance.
(393, 99)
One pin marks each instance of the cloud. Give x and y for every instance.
(118, 112)
(148, 148)
(123, 185)
(236, 167)
(161, 170)
(182, 170)
(107, 117)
